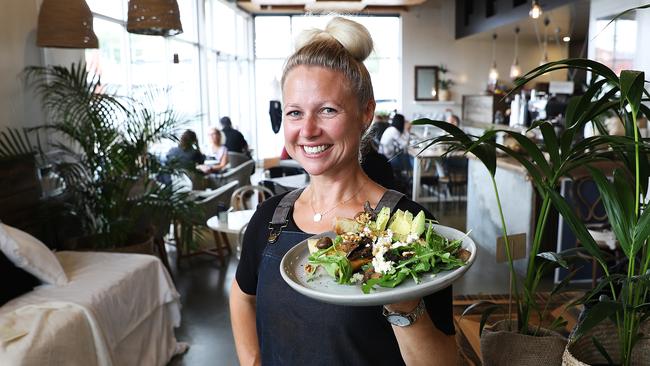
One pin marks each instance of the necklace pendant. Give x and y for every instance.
(317, 217)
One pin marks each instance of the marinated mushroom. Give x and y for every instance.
(324, 242)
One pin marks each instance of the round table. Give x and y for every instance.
(236, 221)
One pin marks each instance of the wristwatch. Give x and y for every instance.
(404, 319)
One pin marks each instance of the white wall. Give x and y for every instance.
(18, 104)
(428, 39)
(18, 44)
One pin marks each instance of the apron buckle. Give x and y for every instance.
(275, 230)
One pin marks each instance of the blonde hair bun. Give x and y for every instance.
(353, 36)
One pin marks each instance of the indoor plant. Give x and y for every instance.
(566, 152)
(102, 139)
(444, 94)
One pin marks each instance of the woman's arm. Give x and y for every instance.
(224, 161)
(422, 343)
(242, 317)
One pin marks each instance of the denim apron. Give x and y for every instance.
(296, 330)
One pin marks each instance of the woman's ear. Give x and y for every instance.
(369, 113)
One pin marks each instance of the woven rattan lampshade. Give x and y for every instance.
(65, 24)
(154, 17)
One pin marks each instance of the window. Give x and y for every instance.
(615, 44)
(207, 77)
(274, 37)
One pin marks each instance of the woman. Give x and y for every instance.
(394, 141)
(329, 104)
(217, 152)
(187, 152)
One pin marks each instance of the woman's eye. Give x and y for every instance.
(329, 110)
(293, 114)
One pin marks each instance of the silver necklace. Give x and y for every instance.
(319, 215)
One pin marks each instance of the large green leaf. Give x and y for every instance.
(551, 142)
(632, 85)
(484, 152)
(642, 228)
(593, 316)
(622, 222)
(575, 63)
(554, 258)
(577, 226)
(579, 104)
(531, 148)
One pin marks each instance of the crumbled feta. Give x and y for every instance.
(398, 244)
(379, 263)
(357, 277)
(366, 230)
(411, 238)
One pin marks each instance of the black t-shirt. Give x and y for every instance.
(439, 304)
(235, 140)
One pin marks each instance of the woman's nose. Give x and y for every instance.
(310, 127)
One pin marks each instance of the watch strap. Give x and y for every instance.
(412, 316)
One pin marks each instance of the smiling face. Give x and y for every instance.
(323, 121)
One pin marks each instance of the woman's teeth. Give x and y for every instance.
(315, 149)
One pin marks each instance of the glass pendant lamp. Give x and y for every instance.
(493, 75)
(515, 69)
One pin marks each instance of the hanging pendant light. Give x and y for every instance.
(493, 75)
(535, 10)
(544, 59)
(154, 18)
(65, 24)
(515, 70)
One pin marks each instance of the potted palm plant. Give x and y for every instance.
(563, 154)
(444, 94)
(110, 177)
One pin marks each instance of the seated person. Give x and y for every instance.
(187, 153)
(234, 141)
(453, 119)
(217, 152)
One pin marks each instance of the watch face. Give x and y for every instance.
(399, 320)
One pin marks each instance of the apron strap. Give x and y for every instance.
(280, 217)
(281, 214)
(389, 199)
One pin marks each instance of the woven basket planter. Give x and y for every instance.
(501, 347)
(584, 353)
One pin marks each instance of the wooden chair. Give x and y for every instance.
(248, 197)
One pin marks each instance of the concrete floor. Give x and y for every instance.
(204, 289)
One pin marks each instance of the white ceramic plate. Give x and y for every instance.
(324, 288)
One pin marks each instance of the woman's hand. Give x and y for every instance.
(206, 169)
(422, 335)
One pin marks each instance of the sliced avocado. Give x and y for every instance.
(396, 214)
(417, 226)
(408, 217)
(382, 219)
(401, 225)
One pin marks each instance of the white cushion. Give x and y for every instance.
(30, 254)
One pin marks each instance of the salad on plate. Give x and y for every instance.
(383, 250)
